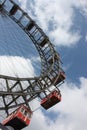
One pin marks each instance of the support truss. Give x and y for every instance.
(23, 90)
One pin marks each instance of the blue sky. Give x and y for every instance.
(65, 22)
(77, 55)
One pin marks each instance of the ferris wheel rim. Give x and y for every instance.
(33, 41)
(50, 62)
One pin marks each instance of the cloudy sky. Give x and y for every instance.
(65, 22)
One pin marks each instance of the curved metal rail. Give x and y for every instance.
(29, 88)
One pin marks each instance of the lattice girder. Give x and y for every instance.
(29, 88)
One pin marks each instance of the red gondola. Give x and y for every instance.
(18, 119)
(52, 99)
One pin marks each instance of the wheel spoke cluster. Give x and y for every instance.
(23, 90)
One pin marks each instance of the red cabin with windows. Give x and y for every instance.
(52, 99)
(19, 119)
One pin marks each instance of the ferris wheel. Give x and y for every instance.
(16, 92)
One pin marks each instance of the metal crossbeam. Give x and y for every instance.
(50, 61)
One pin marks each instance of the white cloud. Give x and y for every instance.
(62, 37)
(86, 38)
(57, 15)
(16, 66)
(83, 6)
(70, 113)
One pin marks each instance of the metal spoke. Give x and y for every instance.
(50, 63)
